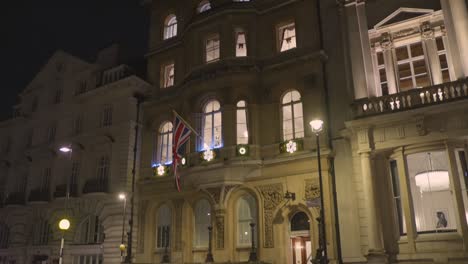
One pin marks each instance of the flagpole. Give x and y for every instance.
(186, 123)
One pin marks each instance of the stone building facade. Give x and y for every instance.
(90, 108)
(400, 163)
(248, 77)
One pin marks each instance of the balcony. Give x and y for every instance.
(61, 191)
(39, 195)
(96, 185)
(412, 99)
(15, 198)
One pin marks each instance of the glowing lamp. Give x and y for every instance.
(316, 125)
(64, 224)
(65, 149)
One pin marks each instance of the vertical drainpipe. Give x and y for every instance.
(329, 134)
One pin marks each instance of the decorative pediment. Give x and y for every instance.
(402, 14)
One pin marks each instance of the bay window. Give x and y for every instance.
(246, 214)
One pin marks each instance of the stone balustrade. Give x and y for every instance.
(411, 99)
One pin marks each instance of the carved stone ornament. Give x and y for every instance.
(405, 32)
(220, 230)
(426, 31)
(272, 197)
(215, 193)
(312, 190)
(386, 41)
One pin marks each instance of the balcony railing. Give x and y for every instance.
(61, 191)
(96, 185)
(15, 198)
(39, 195)
(411, 99)
(115, 74)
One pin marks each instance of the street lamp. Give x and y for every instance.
(122, 247)
(321, 257)
(64, 225)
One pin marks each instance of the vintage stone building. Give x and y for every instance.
(400, 154)
(248, 76)
(90, 108)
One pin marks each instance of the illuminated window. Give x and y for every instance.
(212, 125)
(242, 129)
(164, 219)
(442, 53)
(202, 222)
(204, 6)
(246, 214)
(168, 75)
(212, 48)
(164, 150)
(241, 43)
(382, 73)
(293, 122)
(412, 70)
(287, 37)
(170, 27)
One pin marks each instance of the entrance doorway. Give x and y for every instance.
(300, 238)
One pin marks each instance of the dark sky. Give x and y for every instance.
(31, 31)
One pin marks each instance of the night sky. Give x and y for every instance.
(31, 31)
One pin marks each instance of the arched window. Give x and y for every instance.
(164, 219)
(212, 125)
(204, 6)
(90, 231)
(164, 150)
(202, 222)
(293, 122)
(246, 214)
(4, 235)
(170, 26)
(300, 222)
(241, 123)
(41, 233)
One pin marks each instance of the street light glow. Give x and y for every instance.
(316, 125)
(64, 224)
(65, 149)
(122, 196)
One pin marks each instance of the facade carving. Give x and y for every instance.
(272, 196)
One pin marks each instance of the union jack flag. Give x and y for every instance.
(181, 136)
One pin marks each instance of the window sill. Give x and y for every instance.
(200, 249)
(433, 237)
(243, 248)
(162, 250)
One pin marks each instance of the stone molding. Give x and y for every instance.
(272, 197)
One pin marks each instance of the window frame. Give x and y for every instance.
(215, 49)
(170, 27)
(162, 134)
(197, 243)
(167, 80)
(163, 239)
(212, 114)
(255, 218)
(203, 6)
(246, 113)
(291, 104)
(280, 35)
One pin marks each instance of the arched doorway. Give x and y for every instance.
(300, 238)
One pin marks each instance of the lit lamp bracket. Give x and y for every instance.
(242, 150)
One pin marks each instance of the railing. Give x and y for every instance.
(61, 190)
(411, 99)
(96, 185)
(39, 195)
(115, 74)
(15, 198)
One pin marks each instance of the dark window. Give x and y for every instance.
(299, 222)
(397, 196)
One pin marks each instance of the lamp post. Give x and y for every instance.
(317, 127)
(67, 149)
(64, 225)
(123, 198)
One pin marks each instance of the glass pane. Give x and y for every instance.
(401, 53)
(433, 204)
(380, 58)
(404, 70)
(440, 44)
(383, 75)
(419, 67)
(446, 75)
(207, 131)
(202, 222)
(416, 50)
(463, 174)
(287, 130)
(397, 197)
(217, 130)
(423, 81)
(443, 61)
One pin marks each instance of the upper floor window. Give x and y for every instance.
(287, 37)
(46, 177)
(412, 70)
(77, 125)
(241, 124)
(246, 214)
(293, 122)
(51, 132)
(170, 26)
(90, 231)
(58, 95)
(164, 154)
(204, 6)
(103, 167)
(34, 104)
(4, 235)
(202, 222)
(442, 54)
(164, 219)
(212, 47)
(167, 75)
(212, 125)
(41, 233)
(106, 116)
(241, 43)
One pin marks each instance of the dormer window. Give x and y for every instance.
(170, 26)
(204, 6)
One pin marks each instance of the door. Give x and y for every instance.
(301, 249)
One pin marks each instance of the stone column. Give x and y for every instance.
(387, 51)
(456, 22)
(430, 45)
(374, 234)
(361, 59)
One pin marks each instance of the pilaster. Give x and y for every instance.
(387, 50)
(428, 39)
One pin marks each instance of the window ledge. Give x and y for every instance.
(437, 237)
(200, 249)
(162, 250)
(243, 248)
